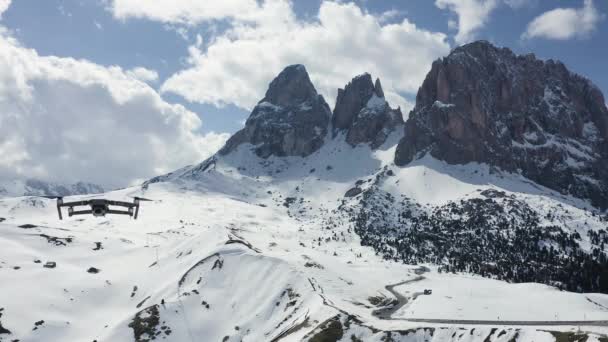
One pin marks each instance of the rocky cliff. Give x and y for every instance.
(363, 114)
(486, 104)
(480, 104)
(291, 119)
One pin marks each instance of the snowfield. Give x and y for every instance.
(469, 297)
(256, 250)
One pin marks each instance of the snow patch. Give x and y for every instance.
(440, 104)
(376, 103)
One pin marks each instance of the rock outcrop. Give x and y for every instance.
(291, 119)
(486, 104)
(362, 112)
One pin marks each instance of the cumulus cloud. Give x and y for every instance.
(4, 5)
(518, 3)
(343, 40)
(189, 12)
(70, 120)
(472, 16)
(565, 23)
(143, 74)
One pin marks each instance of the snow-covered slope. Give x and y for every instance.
(303, 228)
(258, 249)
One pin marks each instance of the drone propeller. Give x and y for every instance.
(61, 197)
(141, 198)
(49, 197)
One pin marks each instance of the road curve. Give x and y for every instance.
(387, 313)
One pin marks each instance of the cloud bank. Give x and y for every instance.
(236, 65)
(71, 120)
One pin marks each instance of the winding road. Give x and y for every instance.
(386, 313)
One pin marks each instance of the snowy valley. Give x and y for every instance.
(308, 226)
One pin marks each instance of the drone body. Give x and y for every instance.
(100, 207)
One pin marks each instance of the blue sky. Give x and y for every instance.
(86, 29)
(216, 58)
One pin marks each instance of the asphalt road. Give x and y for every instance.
(387, 313)
(488, 322)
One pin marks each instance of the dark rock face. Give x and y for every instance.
(291, 120)
(50, 264)
(352, 192)
(486, 104)
(93, 270)
(363, 113)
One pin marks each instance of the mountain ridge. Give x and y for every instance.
(528, 137)
(34, 187)
(462, 133)
(297, 231)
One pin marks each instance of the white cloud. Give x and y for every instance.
(187, 12)
(143, 74)
(390, 15)
(565, 23)
(63, 11)
(63, 119)
(4, 5)
(519, 3)
(472, 16)
(236, 65)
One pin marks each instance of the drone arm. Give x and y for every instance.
(72, 204)
(59, 203)
(118, 212)
(79, 212)
(136, 210)
(121, 204)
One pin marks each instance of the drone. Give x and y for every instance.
(99, 207)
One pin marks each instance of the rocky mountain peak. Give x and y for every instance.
(291, 86)
(378, 88)
(291, 119)
(362, 112)
(486, 104)
(353, 98)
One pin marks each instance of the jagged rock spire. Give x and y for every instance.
(291, 86)
(362, 112)
(291, 119)
(378, 88)
(351, 100)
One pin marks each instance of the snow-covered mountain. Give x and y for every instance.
(34, 187)
(303, 228)
(486, 104)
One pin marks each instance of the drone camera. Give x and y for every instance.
(99, 210)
